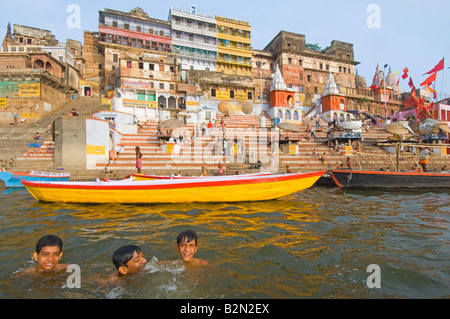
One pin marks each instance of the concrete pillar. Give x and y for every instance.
(70, 142)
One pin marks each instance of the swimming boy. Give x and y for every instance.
(128, 259)
(48, 254)
(187, 247)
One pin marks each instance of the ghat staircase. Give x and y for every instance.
(156, 161)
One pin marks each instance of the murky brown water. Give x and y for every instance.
(315, 244)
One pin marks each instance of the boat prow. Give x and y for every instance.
(14, 179)
(215, 189)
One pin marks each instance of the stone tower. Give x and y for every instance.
(8, 40)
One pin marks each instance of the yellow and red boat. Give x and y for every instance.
(215, 189)
(142, 177)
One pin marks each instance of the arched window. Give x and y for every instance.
(172, 103)
(182, 103)
(38, 64)
(280, 114)
(288, 115)
(296, 117)
(162, 102)
(48, 67)
(290, 101)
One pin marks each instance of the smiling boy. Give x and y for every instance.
(48, 254)
(187, 247)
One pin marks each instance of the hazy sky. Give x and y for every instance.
(401, 33)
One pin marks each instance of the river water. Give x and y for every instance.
(317, 243)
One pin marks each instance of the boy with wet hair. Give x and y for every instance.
(128, 259)
(187, 247)
(48, 254)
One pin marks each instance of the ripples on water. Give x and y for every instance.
(314, 244)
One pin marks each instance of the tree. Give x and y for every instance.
(313, 46)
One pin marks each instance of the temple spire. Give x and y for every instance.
(330, 86)
(7, 40)
(278, 81)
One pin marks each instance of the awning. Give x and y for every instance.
(288, 127)
(444, 127)
(395, 128)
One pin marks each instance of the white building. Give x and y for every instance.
(194, 38)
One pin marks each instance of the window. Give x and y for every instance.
(115, 58)
(161, 86)
(126, 26)
(308, 78)
(141, 65)
(321, 66)
(161, 67)
(28, 41)
(161, 33)
(115, 24)
(129, 64)
(232, 94)
(250, 95)
(150, 30)
(290, 60)
(151, 67)
(213, 92)
(172, 86)
(328, 67)
(100, 66)
(340, 69)
(300, 62)
(138, 28)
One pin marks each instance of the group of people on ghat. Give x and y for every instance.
(128, 259)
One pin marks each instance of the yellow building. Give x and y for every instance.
(234, 50)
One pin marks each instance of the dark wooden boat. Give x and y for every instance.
(385, 179)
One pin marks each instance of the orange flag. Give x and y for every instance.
(429, 80)
(430, 90)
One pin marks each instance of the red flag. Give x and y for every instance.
(411, 84)
(430, 79)
(437, 68)
(405, 75)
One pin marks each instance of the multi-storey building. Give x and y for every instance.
(234, 50)
(150, 78)
(119, 32)
(29, 36)
(194, 38)
(306, 70)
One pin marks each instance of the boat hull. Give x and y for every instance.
(14, 180)
(146, 177)
(375, 179)
(175, 191)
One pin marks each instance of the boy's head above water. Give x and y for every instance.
(187, 245)
(128, 259)
(48, 253)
